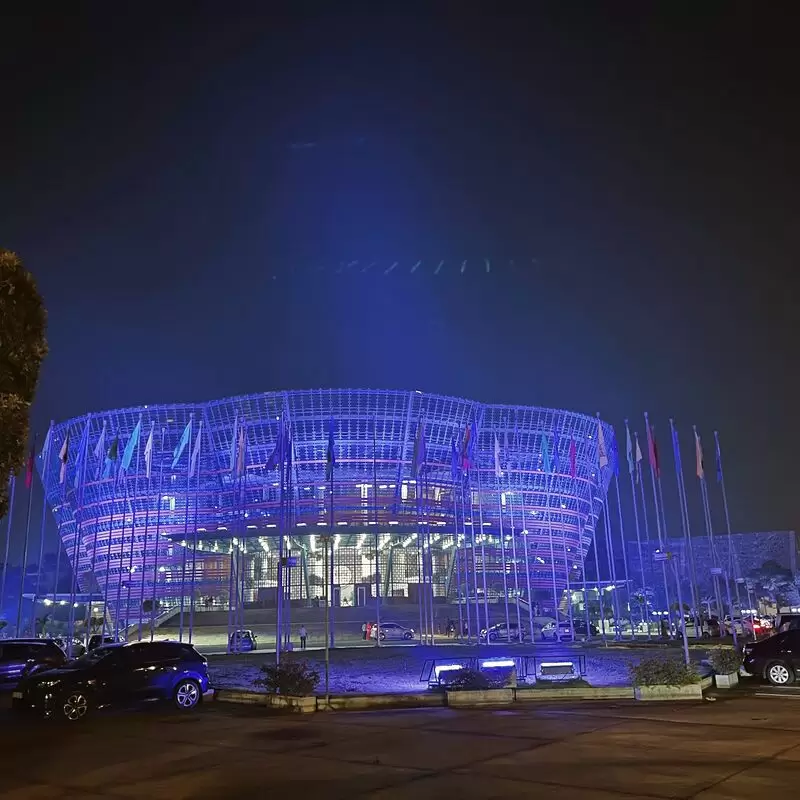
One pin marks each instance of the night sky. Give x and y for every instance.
(185, 180)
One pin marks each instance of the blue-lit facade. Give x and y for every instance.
(523, 513)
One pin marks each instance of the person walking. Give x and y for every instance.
(303, 636)
(364, 631)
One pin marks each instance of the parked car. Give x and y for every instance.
(503, 633)
(98, 639)
(242, 641)
(116, 675)
(393, 630)
(22, 657)
(776, 658)
(567, 634)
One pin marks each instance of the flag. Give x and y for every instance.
(420, 455)
(330, 456)
(719, 461)
(573, 459)
(546, 463)
(497, 468)
(698, 454)
(454, 460)
(48, 440)
(639, 456)
(148, 453)
(652, 446)
(234, 442)
(111, 456)
(130, 447)
(100, 451)
(241, 451)
(181, 446)
(629, 448)
(466, 448)
(279, 453)
(29, 467)
(83, 452)
(195, 457)
(62, 457)
(602, 451)
(556, 448)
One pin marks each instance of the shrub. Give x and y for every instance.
(663, 672)
(470, 680)
(725, 660)
(289, 678)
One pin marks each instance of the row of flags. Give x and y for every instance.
(107, 456)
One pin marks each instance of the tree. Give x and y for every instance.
(22, 349)
(773, 580)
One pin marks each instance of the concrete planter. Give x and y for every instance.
(366, 702)
(484, 697)
(526, 695)
(692, 691)
(727, 681)
(301, 705)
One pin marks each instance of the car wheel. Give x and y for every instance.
(778, 674)
(383, 637)
(706, 635)
(406, 635)
(74, 706)
(187, 695)
(492, 637)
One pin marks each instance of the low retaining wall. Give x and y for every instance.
(694, 691)
(458, 699)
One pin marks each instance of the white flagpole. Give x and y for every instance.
(510, 503)
(634, 465)
(661, 522)
(12, 493)
(498, 475)
(185, 526)
(524, 532)
(375, 520)
(731, 554)
(458, 559)
(193, 583)
(687, 530)
(81, 483)
(148, 494)
(25, 561)
(483, 537)
(46, 457)
(154, 602)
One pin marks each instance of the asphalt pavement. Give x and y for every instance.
(738, 747)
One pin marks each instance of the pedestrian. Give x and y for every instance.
(364, 631)
(303, 635)
(370, 626)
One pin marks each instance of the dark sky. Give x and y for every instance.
(645, 156)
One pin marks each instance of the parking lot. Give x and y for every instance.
(740, 748)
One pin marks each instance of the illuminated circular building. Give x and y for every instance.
(199, 504)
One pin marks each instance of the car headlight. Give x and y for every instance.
(48, 684)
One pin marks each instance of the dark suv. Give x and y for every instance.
(117, 675)
(777, 659)
(21, 657)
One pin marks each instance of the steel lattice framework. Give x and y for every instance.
(169, 535)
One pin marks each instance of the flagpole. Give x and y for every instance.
(115, 476)
(573, 467)
(80, 483)
(46, 456)
(721, 480)
(624, 553)
(458, 560)
(477, 456)
(651, 456)
(510, 503)
(133, 536)
(25, 559)
(631, 467)
(687, 530)
(498, 476)
(524, 532)
(661, 524)
(332, 468)
(377, 535)
(193, 583)
(12, 492)
(148, 492)
(430, 556)
(154, 601)
(281, 533)
(607, 527)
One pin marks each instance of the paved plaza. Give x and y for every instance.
(746, 747)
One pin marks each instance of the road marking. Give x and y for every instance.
(778, 694)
